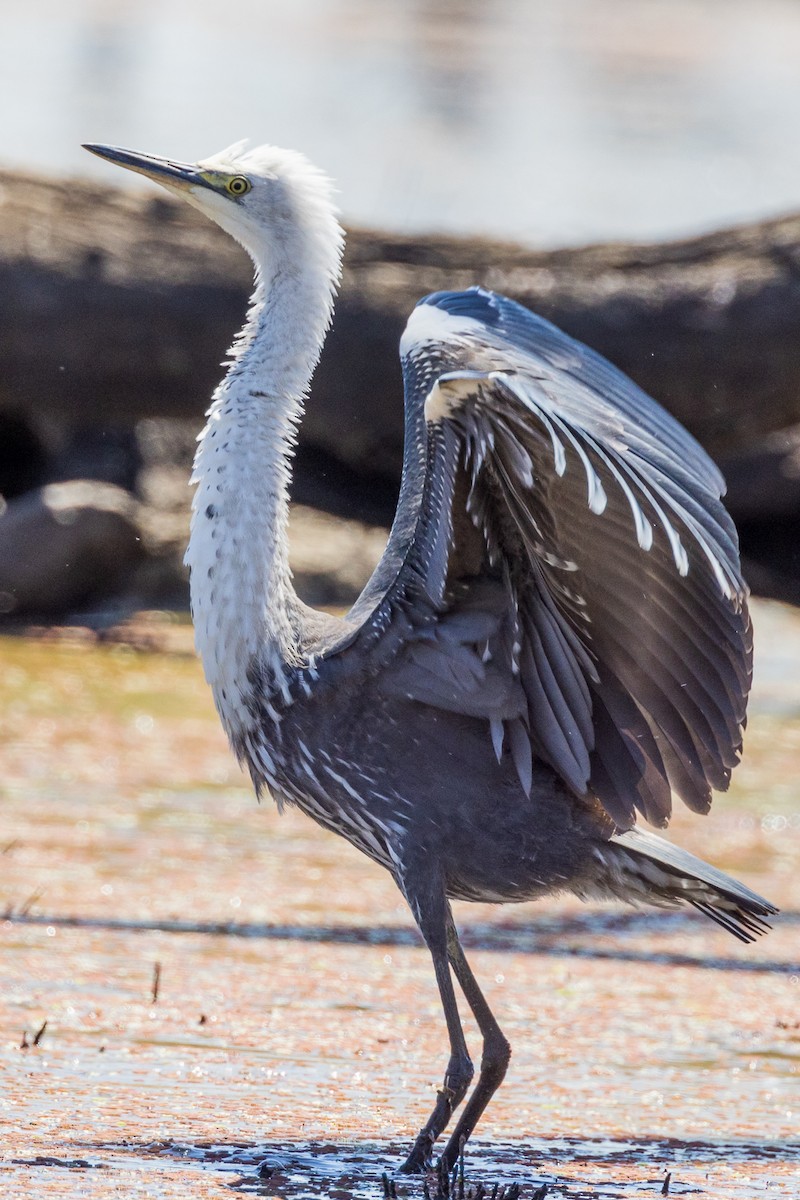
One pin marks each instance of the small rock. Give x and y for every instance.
(66, 545)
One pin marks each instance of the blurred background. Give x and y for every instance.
(471, 141)
(629, 168)
(551, 122)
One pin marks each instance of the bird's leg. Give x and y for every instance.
(432, 920)
(496, 1049)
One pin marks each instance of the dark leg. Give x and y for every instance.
(432, 917)
(496, 1050)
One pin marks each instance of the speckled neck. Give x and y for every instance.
(243, 602)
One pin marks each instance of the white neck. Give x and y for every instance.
(243, 603)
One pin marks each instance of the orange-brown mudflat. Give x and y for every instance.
(295, 1042)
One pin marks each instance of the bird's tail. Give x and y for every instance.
(646, 869)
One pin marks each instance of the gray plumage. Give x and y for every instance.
(556, 638)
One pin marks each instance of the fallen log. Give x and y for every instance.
(119, 305)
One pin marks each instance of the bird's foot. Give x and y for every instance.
(420, 1159)
(449, 1183)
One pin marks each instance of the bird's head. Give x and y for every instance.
(264, 197)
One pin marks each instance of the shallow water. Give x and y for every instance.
(570, 1167)
(296, 1021)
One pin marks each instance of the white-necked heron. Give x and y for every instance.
(555, 639)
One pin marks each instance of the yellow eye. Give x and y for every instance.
(239, 185)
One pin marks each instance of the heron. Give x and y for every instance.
(555, 641)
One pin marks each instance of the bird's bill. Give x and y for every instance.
(160, 170)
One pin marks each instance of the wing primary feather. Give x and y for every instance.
(728, 583)
(498, 736)
(574, 653)
(667, 693)
(690, 600)
(660, 641)
(559, 453)
(545, 729)
(520, 744)
(572, 683)
(596, 496)
(629, 754)
(568, 747)
(679, 554)
(644, 530)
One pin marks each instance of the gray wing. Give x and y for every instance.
(561, 564)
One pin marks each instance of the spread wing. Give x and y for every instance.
(561, 564)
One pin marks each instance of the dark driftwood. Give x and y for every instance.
(118, 305)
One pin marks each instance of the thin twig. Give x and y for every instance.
(28, 904)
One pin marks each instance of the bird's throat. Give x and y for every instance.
(243, 602)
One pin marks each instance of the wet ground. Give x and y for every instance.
(237, 1003)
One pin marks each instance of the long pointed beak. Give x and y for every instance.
(161, 170)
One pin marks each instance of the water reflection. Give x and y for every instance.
(554, 122)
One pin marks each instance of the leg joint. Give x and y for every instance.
(458, 1077)
(495, 1058)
